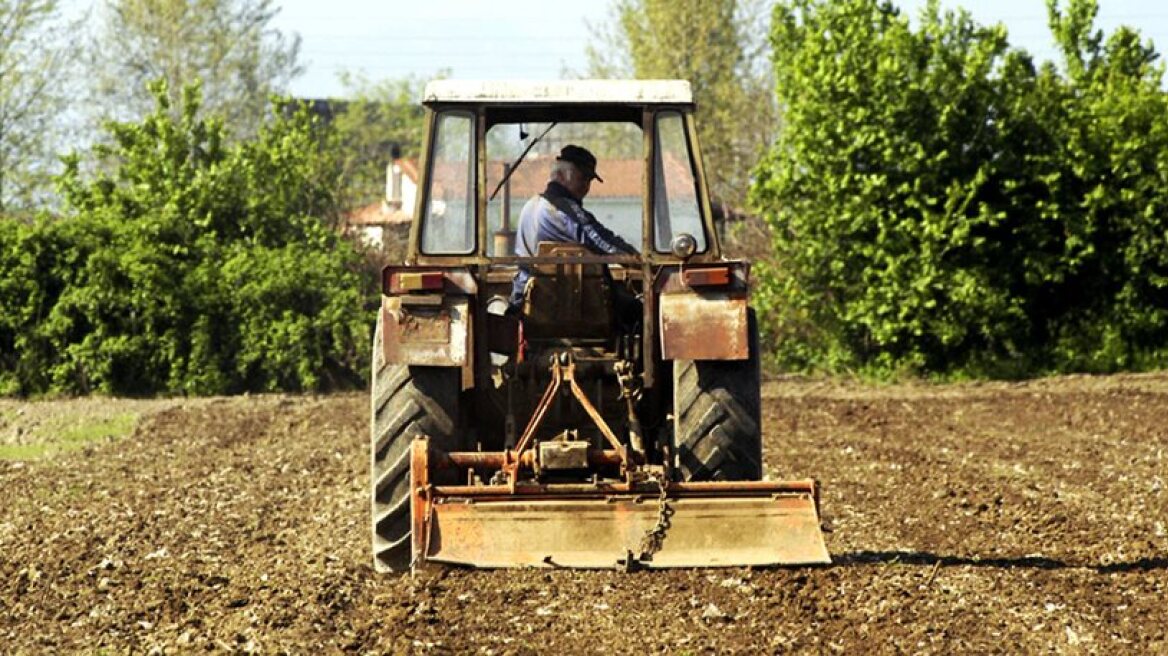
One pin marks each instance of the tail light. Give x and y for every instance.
(397, 280)
(707, 276)
(401, 282)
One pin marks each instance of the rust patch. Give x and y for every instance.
(420, 504)
(704, 326)
(426, 334)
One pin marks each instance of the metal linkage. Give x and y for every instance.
(563, 369)
(630, 389)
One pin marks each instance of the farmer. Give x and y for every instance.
(558, 215)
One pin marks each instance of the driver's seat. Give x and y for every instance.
(569, 299)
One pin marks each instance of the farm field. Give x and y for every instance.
(977, 518)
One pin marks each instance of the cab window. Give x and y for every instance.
(448, 221)
(676, 207)
(616, 203)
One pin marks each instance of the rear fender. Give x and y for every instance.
(426, 318)
(431, 330)
(702, 312)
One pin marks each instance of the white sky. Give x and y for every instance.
(525, 39)
(509, 39)
(514, 39)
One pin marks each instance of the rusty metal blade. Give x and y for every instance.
(705, 530)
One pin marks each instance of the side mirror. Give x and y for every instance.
(683, 245)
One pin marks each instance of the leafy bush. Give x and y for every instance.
(938, 204)
(187, 266)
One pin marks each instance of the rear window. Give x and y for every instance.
(616, 202)
(677, 209)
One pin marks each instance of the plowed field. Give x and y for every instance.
(1007, 518)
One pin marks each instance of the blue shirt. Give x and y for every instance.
(555, 215)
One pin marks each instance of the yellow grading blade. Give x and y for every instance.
(716, 525)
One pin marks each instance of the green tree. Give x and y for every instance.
(381, 117)
(34, 61)
(33, 272)
(1111, 195)
(229, 46)
(863, 190)
(717, 46)
(940, 204)
(189, 266)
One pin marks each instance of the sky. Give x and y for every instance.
(492, 39)
(543, 39)
(531, 39)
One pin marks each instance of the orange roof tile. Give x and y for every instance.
(622, 177)
(376, 214)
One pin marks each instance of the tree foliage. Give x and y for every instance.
(192, 266)
(34, 60)
(714, 45)
(381, 118)
(940, 204)
(229, 46)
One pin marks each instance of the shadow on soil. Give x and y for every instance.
(1028, 562)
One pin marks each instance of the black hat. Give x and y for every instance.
(583, 160)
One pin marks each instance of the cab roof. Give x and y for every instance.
(636, 92)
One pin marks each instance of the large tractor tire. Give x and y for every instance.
(407, 401)
(717, 416)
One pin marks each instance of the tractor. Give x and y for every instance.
(562, 430)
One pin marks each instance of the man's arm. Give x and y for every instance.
(596, 236)
(583, 228)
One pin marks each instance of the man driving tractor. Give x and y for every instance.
(558, 215)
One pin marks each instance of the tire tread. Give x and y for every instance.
(406, 401)
(717, 416)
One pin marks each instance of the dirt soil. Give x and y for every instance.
(993, 518)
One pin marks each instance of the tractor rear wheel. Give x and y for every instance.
(406, 401)
(717, 416)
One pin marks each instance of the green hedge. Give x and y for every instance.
(186, 265)
(940, 204)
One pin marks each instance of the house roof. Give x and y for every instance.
(379, 213)
(622, 178)
(560, 91)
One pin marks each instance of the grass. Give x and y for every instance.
(63, 436)
(113, 427)
(23, 451)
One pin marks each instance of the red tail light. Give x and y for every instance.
(401, 282)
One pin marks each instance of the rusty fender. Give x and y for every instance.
(704, 326)
(430, 329)
(702, 311)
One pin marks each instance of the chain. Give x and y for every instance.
(651, 543)
(630, 384)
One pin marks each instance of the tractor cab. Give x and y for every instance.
(491, 145)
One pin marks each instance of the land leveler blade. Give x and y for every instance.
(632, 525)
